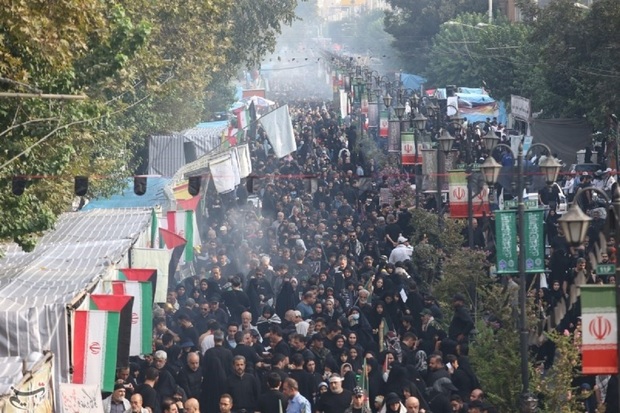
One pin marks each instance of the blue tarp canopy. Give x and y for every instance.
(127, 199)
(411, 81)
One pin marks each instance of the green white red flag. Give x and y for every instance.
(599, 329)
(101, 337)
(140, 284)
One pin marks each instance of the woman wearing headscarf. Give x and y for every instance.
(267, 318)
(359, 324)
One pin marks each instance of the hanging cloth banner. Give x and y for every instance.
(534, 241)
(407, 143)
(384, 124)
(222, 173)
(279, 130)
(599, 347)
(458, 194)
(245, 163)
(506, 242)
(394, 136)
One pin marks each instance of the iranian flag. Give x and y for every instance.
(101, 340)
(140, 284)
(243, 117)
(599, 329)
(183, 223)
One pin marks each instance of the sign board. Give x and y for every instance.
(458, 195)
(394, 136)
(373, 114)
(33, 394)
(384, 124)
(534, 241)
(506, 242)
(513, 204)
(408, 152)
(80, 398)
(520, 107)
(606, 269)
(599, 326)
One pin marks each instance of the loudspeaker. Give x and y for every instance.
(139, 185)
(194, 185)
(19, 185)
(249, 184)
(80, 187)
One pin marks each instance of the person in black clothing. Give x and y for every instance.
(337, 399)
(244, 388)
(236, 300)
(301, 376)
(190, 376)
(245, 349)
(220, 352)
(462, 323)
(150, 398)
(272, 400)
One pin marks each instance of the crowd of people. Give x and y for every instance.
(307, 301)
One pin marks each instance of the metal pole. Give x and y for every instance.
(470, 212)
(439, 185)
(418, 187)
(524, 333)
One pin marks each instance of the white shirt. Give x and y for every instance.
(402, 252)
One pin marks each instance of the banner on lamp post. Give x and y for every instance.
(457, 190)
(373, 114)
(506, 242)
(394, 136)
(599, 322)
(534, 242)
(384, 124)
(407, 143)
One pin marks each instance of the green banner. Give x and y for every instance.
(534, 242)
(506, 242)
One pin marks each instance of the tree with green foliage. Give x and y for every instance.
(578, 59)
(145, 67)
(414, 23)
(469, 52)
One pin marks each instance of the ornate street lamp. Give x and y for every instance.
(445, 141)
(387, 100)
(550, 167)
(490, 169)
(574, 224)
(399, 110)
(420, 121)
(490, 140)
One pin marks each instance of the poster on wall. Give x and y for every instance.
(33, 394)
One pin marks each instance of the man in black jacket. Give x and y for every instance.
(272, 400)
(462, 323)
(244, 388)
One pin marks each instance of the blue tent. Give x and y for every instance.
(411, 81)
(127, 199)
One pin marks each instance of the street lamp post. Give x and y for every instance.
(420, 125)
(574, 224)
(550, 167)
(445, 142)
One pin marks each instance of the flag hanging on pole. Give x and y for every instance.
(599, 329)
(101, 337)
(177, 244)
(142, 312)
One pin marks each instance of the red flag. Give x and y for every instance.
(171, 239)
(137, 274)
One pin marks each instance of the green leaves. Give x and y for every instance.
(147, 67)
